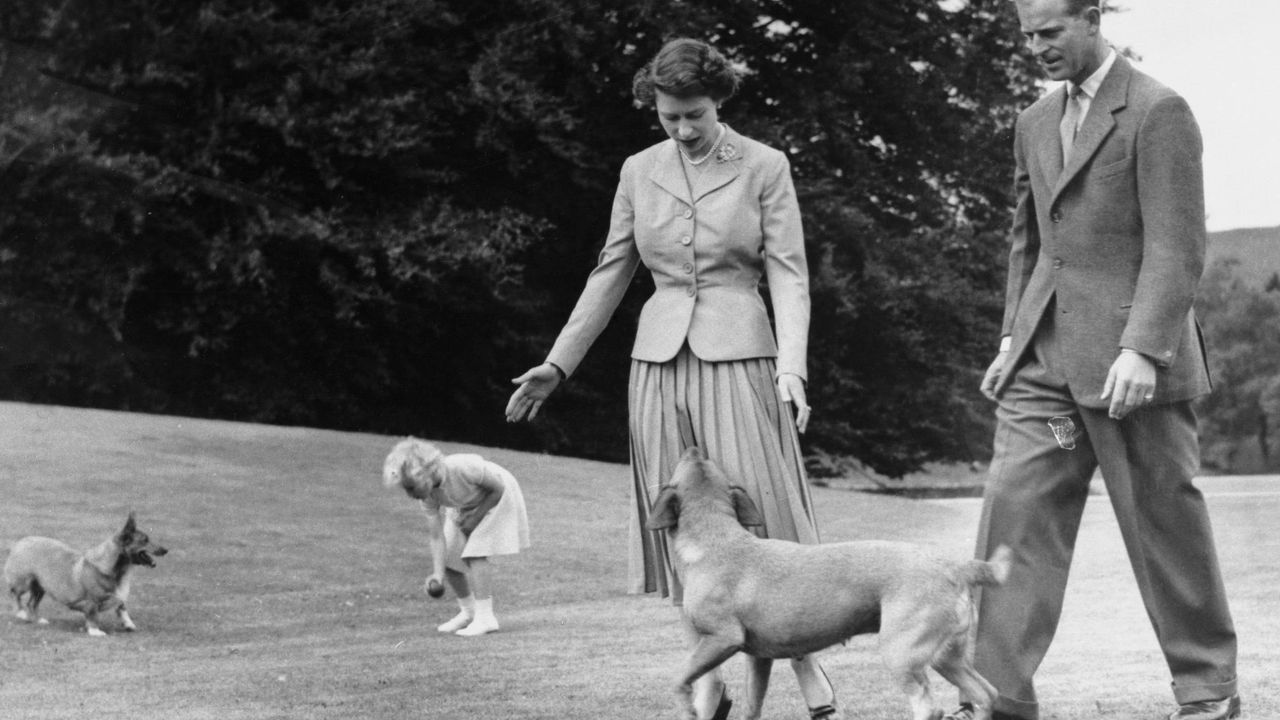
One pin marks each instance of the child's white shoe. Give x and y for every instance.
(484, 621)
(466, 612)
(479, 627)
(458, 622)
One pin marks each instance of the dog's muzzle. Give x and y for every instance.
(142, 557)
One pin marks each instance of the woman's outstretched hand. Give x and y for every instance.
(535, 386)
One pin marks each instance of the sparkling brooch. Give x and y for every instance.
(726, 153)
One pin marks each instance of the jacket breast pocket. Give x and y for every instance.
(1111, 169)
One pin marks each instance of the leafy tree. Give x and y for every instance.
(371, 213)
(242, 209)
(1242, 415)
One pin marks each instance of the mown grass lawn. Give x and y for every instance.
(293, 589)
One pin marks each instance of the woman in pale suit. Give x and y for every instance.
(709, 213)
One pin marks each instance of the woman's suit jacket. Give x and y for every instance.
(707, 255)
(1115, 239)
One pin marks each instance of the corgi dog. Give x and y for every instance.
(92, 583)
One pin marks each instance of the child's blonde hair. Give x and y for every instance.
(408, 462)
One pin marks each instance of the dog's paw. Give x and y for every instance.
(130, 627)
(42, 621)
(96, 632)
(23, 616)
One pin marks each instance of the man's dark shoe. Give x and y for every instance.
(966, 712)
(823, 712)
(722, 710)
(1224, 709)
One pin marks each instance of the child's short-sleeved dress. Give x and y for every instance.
(504, 530)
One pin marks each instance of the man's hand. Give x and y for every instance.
(992, 377)
(1131, 383)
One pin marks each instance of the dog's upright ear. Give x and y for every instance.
(103, 557)
(743, 506)
(665, 513)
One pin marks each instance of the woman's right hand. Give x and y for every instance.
(535, 386)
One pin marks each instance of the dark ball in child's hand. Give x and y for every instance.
(434, 588)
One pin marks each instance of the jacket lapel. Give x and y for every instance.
(1112, 97)
(667, 173)
(1045, 128)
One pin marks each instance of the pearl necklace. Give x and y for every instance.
(712, 151)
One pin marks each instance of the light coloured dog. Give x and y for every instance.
(93, 583)
(776, 599)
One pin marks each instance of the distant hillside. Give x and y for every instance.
(1257, 249)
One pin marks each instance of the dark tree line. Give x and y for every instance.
(370, 214)
(1240, 426)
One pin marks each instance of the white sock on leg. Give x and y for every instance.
(467, 611)
(483, 622)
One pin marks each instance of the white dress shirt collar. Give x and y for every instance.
(1090, 87)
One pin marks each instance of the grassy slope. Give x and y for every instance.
(292, 589)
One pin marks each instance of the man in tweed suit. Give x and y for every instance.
(1099, 361)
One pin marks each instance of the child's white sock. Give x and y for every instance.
(467, 611)
(483, 622)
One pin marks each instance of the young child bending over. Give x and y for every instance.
(474, 511)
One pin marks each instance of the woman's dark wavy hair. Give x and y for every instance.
(686, 68)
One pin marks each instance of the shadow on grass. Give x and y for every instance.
(925, 493)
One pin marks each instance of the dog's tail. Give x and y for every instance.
(992, 571)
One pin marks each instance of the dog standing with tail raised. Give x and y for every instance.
(92, 583)
(774, 599)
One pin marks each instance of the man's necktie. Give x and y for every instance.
(1070, 122)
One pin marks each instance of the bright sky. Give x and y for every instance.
(1224, 58)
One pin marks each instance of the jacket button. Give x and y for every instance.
(688, 213)
(1057, 262)
(686, 240)
(1056, 216)
(688, 268)
(693, 290)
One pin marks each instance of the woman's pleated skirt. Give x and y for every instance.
(732, 410)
